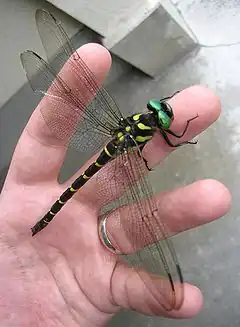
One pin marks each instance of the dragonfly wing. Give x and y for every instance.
(78, 111)
(137, 230)
(63, 112)
(59, 49)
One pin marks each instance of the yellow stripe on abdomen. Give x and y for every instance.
(98, 164)
(107, 152)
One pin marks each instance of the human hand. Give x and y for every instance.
(64, 276)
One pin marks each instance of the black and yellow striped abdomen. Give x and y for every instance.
(135, 130)
(105, 156)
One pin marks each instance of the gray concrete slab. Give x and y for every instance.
(154, 44)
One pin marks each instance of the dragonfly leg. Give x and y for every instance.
(140, 149)
(185, 129)
(146, 164)
(174, 145)
(169, 97)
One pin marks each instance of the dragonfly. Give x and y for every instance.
(84, 116)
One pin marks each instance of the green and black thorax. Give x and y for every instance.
(137, 129)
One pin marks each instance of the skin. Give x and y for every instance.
(64, 276)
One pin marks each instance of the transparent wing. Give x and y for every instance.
(79, 111)
(137, 230)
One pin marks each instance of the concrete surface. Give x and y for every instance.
(209, 255)
(214, 21)
(154, 44)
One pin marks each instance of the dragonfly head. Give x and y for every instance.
(162, 111)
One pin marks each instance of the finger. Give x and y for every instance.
(181, 209)
(132, 292)
(195, 100)
(186, 104)
(39, 155)
(194, 205)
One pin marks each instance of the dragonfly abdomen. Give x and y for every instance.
(105, 156)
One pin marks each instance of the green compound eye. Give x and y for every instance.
(163, 112)
(154, 104)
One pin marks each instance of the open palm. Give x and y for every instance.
(64, 276)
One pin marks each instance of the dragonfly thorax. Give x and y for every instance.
(136, 129)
